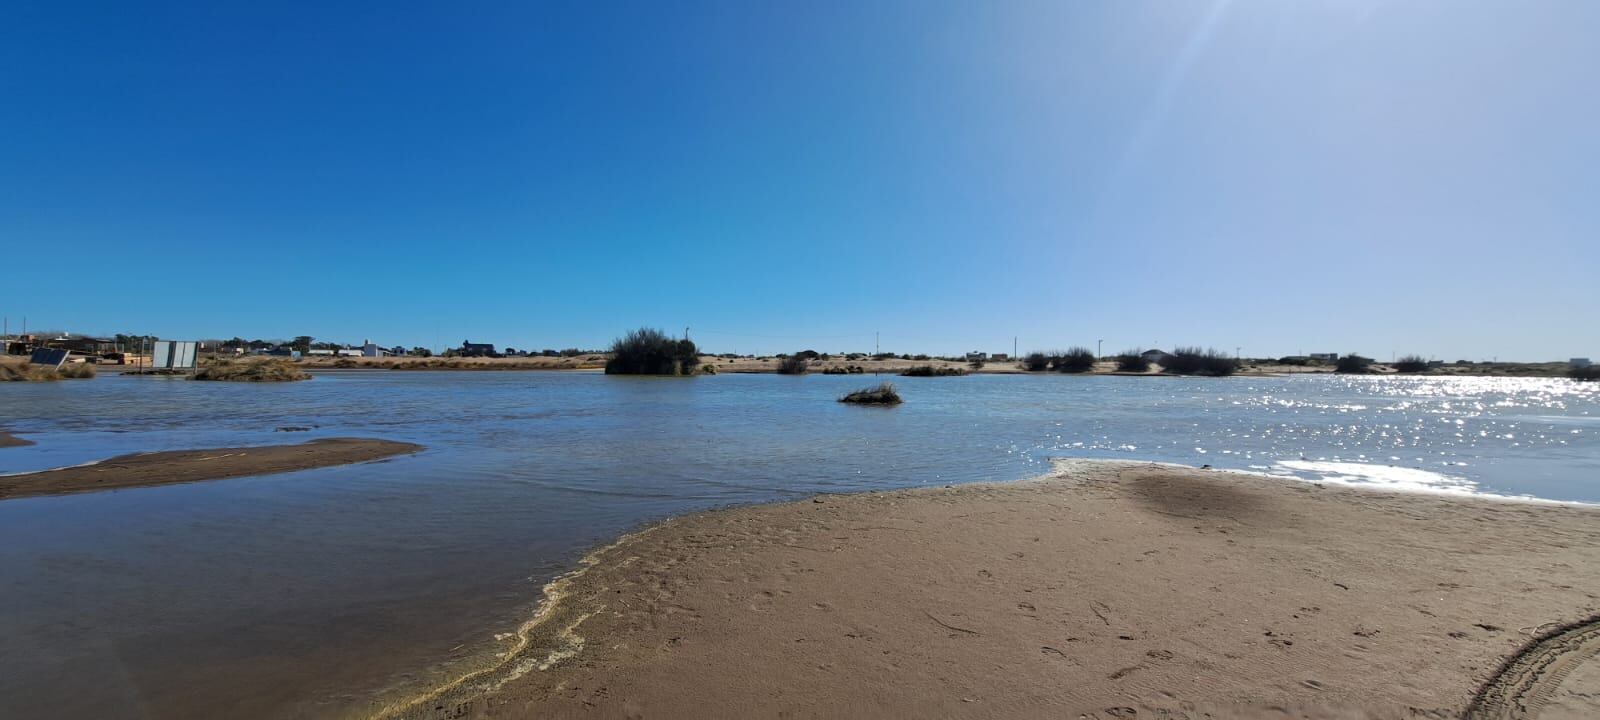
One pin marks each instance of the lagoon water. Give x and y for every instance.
(323, 592)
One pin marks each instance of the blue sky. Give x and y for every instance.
(1282, 177)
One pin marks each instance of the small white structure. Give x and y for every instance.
(174, 354)
(371, 349)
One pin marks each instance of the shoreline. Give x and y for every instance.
(188, 466)
(657, 621)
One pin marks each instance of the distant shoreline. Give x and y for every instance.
(895, 366)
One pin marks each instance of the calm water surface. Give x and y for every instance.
(312, 593)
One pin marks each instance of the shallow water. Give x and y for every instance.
(312, 593)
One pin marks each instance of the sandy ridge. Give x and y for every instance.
(185, 466)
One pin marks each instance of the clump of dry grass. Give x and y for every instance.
(264, 370)
(77, 371)
(884, 394)
(931, 371)
(18, 369)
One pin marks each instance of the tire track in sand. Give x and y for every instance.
(1526, 682)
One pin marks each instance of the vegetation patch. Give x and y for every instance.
(1411, 364)
(1353, 363)
(1132, 361)
(1076, 360)
(931, 371)
(794, 365)
(884, 394)
(1585, 373)
(1208, 362)
(648, 351)
(262, 370)
(845, 370)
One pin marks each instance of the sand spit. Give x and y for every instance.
(1105, 590)
(183, 466)
(9, 440)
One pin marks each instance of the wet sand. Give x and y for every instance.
(8, 440)
(184, 466)
(1105, 590)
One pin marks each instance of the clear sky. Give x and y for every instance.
(1279, 176)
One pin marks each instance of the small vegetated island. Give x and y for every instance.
(648, 351)
(259, 370)
(884, 394)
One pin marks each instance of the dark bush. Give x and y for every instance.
(807, 355)
(1076, 360)
(931, 371)
(1585, 373)
(884, 394)
(648, 351)
(1295, 360)
(1132, 361)
(1353, 363)
(1197, 361)
(1411, 364)
(1036, 361)
(792, 366)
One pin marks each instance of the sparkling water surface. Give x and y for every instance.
(312, 593)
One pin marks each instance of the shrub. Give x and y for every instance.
(265, 370)
(792, 366)
(1585, 373)
(1035, 362)
(1197, 361)
(1411, 364)
(1132, 361)
(808, 355)
(976, 364)
(1353, 363)
(77, 371)
(1076, 360)
(884, 394)
(931, 371)
(648, 351)
(18, 369)
(1295, 360)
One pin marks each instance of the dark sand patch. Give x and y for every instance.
(183, 466)
(1107, 590)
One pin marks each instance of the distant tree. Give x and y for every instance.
(420, 351)
(1036, 362)
(648, 351)
(1198, 361)
(807, 355)
(1411, 364)
(302, 343)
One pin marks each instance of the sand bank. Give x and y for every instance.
(181, 466)
(1105, 590)
(9, 440)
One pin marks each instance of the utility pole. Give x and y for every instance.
(1013, 347)
(686, 332)
(1236, 352)
(1097, 353)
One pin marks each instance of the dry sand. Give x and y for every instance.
(181, 466)
(1106, 590)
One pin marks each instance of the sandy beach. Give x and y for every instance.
(183, 466)
(1105, 590)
